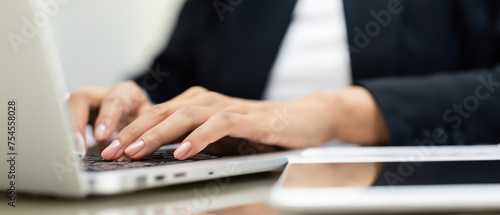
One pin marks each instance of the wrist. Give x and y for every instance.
(355, 117)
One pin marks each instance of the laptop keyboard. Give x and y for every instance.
(161, 157)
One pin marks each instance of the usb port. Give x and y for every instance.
(180, 174)
(160, 178)
(141, 180)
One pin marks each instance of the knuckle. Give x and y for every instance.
(200, 133)
(112, 101)
(237, 108)
(224, 118)
(197, 89)
(153, 136)
(186, 111)
(159, 109)
(129, 131)
(211, 95)
(118, 105)
(125, 85)
(77, 94)
(130, 84)
(137, 95)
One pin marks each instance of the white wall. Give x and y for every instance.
(103, 42)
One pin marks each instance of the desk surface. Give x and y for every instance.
(194, 198)
(242, 195)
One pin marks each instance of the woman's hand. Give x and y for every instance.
(109, 109)
(207, 117)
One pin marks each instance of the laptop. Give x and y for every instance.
(38, 148)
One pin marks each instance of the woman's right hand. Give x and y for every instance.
(108, 109)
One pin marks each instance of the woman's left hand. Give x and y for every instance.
(207, 117)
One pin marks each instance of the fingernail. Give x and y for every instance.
(80, 144)
(182, 150)
(99, 131)
(89, 136)
(134, 148)
(111, 150)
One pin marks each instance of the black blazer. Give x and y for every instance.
(430, 65)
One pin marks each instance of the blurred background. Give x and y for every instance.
(103, 42)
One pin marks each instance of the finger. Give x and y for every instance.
(138, 127)
(81, 145)
(114, 151)
(122, 158)
(218, 126)
(110, 113)
(178, 124)
(123, 100)
(79, 109)
(81, 102)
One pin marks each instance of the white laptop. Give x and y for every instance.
(37, 148)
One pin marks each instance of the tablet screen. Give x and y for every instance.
(310, 175)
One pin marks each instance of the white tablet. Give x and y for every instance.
(378, 187)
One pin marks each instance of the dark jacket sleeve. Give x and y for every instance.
(172, 72)
(440, 109)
